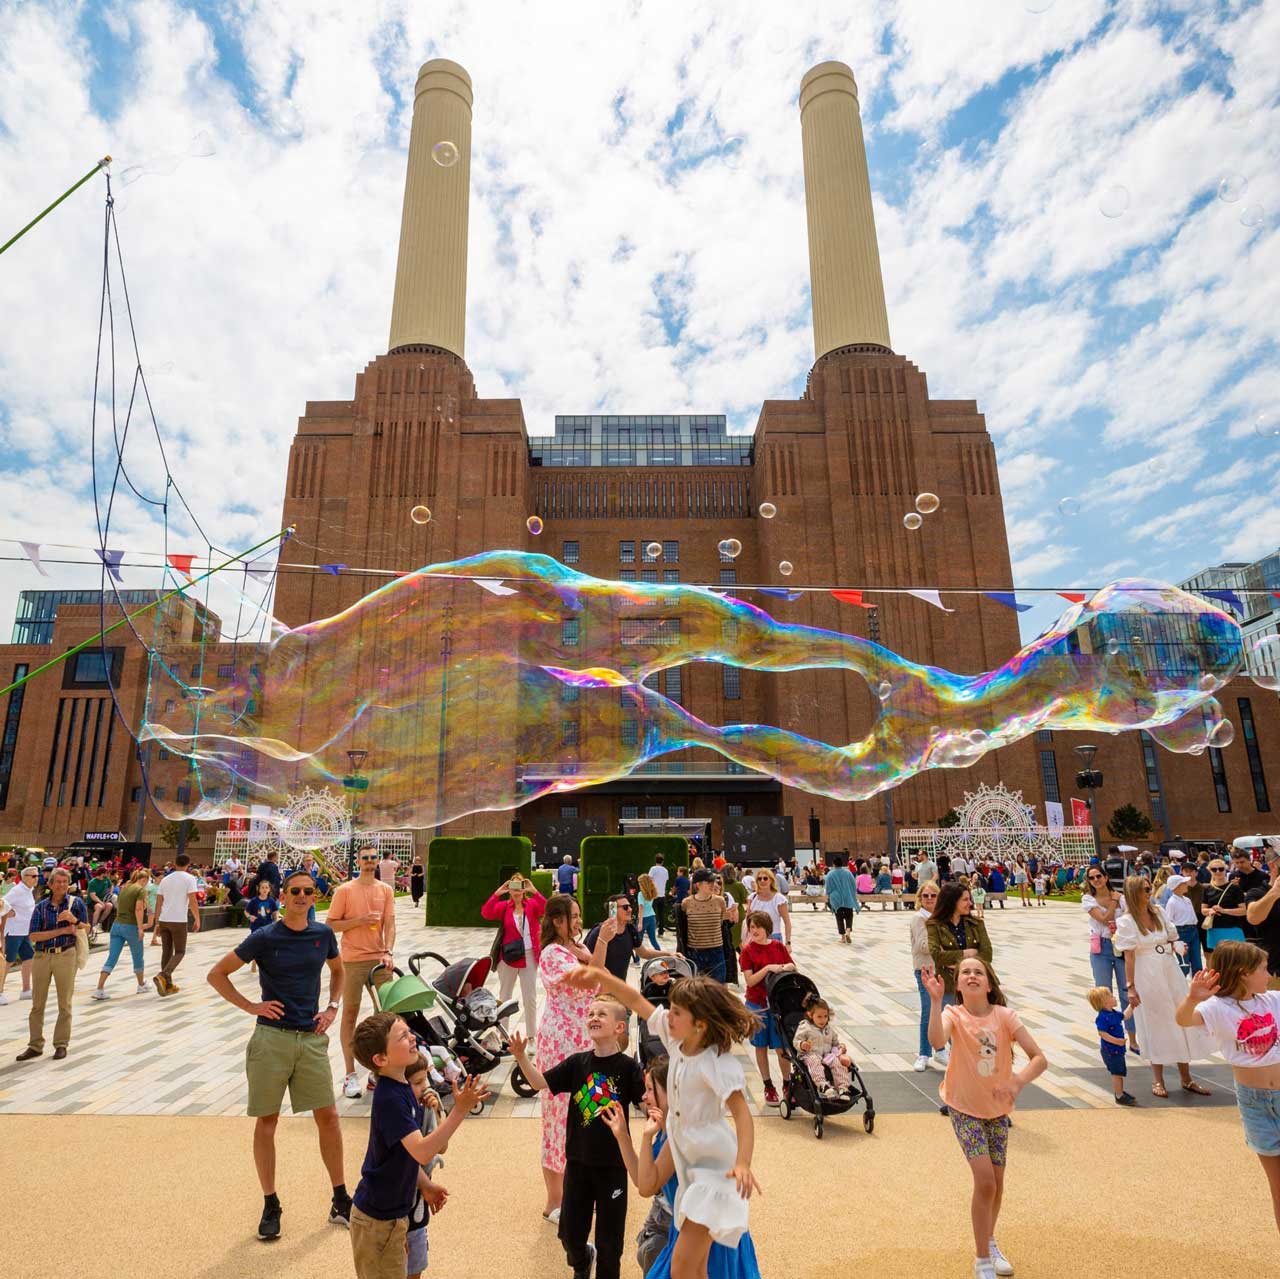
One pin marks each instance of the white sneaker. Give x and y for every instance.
(26, 994)
(4, 999)
(351, 1087)
(941, 1057)
(99, 994)
(920, 1064)
(983, 1268)
(999, 1262)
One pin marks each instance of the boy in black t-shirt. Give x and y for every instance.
(595, 1178)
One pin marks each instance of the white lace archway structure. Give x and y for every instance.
(996, 825)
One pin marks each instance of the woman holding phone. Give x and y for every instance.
(519, 908)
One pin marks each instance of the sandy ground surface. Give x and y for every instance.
(1089, 1193)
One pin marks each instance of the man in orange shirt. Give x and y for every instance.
(363, 914)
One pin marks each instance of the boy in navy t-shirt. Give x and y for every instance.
(397, 1146)
(1110, 1024)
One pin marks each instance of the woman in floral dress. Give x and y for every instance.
(561, 1032)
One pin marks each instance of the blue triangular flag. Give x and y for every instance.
(1227, 597)
(111, 559)
(780, 592)
(1008, 599)
(333, 569)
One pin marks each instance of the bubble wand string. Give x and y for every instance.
(102, 164)
(146, 608)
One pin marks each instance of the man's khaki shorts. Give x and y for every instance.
(355, 973)
(298, 1060)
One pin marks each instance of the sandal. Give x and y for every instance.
(1159, 1090)
(1199, 1089)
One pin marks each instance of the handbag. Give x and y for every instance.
(82, 949)
(512, 951)
(1095, 943)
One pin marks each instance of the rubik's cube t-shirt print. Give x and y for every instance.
(594, 1095)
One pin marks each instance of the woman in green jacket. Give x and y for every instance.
(955, 932)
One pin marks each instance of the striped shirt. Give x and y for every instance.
(45, 918)
(705, 915)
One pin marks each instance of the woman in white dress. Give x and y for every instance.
(767, 898)
(1156, 987)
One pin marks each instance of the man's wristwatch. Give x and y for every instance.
(332, 1007)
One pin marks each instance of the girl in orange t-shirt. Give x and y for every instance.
(980, 1088)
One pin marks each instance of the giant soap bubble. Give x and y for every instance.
(484, 683)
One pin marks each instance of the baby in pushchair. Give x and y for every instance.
(656, 978)
(818, 1044)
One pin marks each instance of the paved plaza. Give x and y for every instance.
(137, 1054)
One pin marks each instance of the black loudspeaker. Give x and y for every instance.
(815, 831)
(515, 826)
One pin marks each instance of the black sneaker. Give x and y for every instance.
(585, 1271)
(340, 1212)
(1126, 1099)
(269, 1226)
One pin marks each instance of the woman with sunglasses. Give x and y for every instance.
(1156, 987)
(1223, 906)
(768, 899)
(922, 962)
(1104, 906)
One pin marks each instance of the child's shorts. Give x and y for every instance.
(767, 1036)
(1260, 1112)
(415, 1243)
(982, 1137)
(1113, 1060)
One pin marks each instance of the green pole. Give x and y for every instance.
(106, 160)
(146, 608)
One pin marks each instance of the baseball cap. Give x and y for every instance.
(50, 863)
(1176, 856)
(1176, 881)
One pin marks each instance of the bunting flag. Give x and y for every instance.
(1276, 594)
(780, 592)
(259, 570)
(1008, 599)
(494, 586)
(332, 569)
(852, 597)
(1075, 597)
(32, 552)
(111, 561)
(182, 563)
(1227, 597)
(932, 597)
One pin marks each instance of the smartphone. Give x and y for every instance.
(515, 885)
(613, 910)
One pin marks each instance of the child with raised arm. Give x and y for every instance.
(711, 1151)
(595, 1179)
(1231, 1001)
(397, 1147)
(432, 1196)
(980, 1088)
(654, 1173)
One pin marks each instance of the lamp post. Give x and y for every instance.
(355, 783)
(1089, 779)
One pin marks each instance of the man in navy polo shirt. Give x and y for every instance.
(289, 1047)
(54, 924)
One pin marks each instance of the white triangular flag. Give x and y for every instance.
(494, 586)
(32, 551)
(932, 597)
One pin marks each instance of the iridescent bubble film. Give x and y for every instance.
(484, 683)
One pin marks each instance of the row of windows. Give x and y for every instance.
(627, 552)
(632, 812)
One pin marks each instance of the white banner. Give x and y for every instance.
(1053, 817)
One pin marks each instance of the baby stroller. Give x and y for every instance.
(455, 1013)
(655, 985)
(787, 992)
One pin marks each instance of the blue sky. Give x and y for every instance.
(637, 193)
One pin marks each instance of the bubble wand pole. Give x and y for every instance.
(146, 608)
(102, 164)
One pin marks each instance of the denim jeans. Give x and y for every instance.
(710, 962)
(120, 934)
(651, 930)
(926, 1048)
(1191, 961)
(1105, 966)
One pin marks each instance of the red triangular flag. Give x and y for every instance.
(182, 563)
(1076, 597)
(852, 597)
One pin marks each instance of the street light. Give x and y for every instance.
(1089, 779)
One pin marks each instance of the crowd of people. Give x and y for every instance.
(1149, 928)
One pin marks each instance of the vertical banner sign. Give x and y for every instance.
(1053, 818)
(1079, 813)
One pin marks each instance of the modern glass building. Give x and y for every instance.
(652, 439)
(37, 610)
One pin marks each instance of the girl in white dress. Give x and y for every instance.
(711, 1148)
(1156, 987)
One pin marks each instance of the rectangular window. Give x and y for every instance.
(1261, 800)
(569, 553)
(659, 632)
(649, 575)
(670, 575)
(227, 670)
(629, 812)
(725, 557)
(195, 671)
(569, 732)
(92, 668)
(675, 810)
(12, 718)
(170, 706)
(737, 810)
(135, 794)
(626, 575)
(627, 552)
(1045, 737)
(671, 552)
(183, 794)
(728, 577)
(1154, 797)
(569, 692)
(568, 810)
(569, 632)
(653, 810)
(732, 683)
(649, 556)
(674, 684)
(1049, 775)
(629, 732)
(157, 792)
(164, 754)
(1219, 773)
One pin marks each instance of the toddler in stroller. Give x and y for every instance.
(656, 978)
(821, 1051)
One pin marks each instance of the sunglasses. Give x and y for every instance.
(368, 857)
(302, 892)
(1217, 870)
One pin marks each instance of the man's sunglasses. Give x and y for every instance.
(302, 892)
(368, 857)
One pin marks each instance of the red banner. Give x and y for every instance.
(1079, 813)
